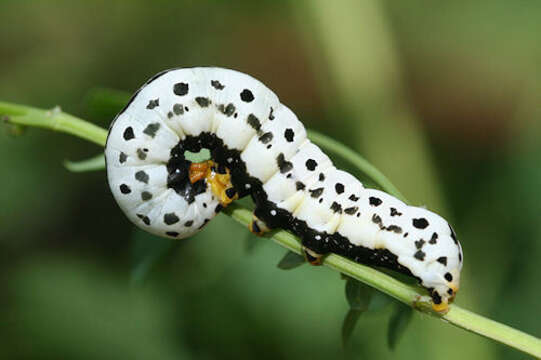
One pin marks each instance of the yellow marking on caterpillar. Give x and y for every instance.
(220, 184)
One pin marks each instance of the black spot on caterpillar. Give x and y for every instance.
(170, 219)
(283, 164)
(246, 95)
(202, 101)
(374, 201)
(128, 133)
(151, 129)
(144, 218)
(180, 89)
(153, 103)
(217, 85)
(227, 110)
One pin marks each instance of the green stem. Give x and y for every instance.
(53, 119)
(356, 160)
(410, 295)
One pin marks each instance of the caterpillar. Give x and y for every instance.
(259, 148)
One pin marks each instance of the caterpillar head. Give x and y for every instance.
(444, 279)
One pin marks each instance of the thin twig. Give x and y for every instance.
(358, 161)
(53, 119)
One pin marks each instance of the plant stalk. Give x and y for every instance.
(53, 119)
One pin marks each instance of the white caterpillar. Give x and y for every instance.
(259, 148)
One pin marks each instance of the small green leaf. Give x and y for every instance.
(291, 260)
(147, 251)
(380, 301)
(358, 294)
(348, 325)
(400, 319)
(93, 164)
(251, 241)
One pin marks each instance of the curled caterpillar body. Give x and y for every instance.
(258, 147)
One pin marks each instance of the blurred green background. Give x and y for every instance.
(443, 97)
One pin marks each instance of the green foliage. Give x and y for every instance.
(398, 323)
(359, 297)
(291, 260)
(251, 242)
(348, 325)
(95, 163)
